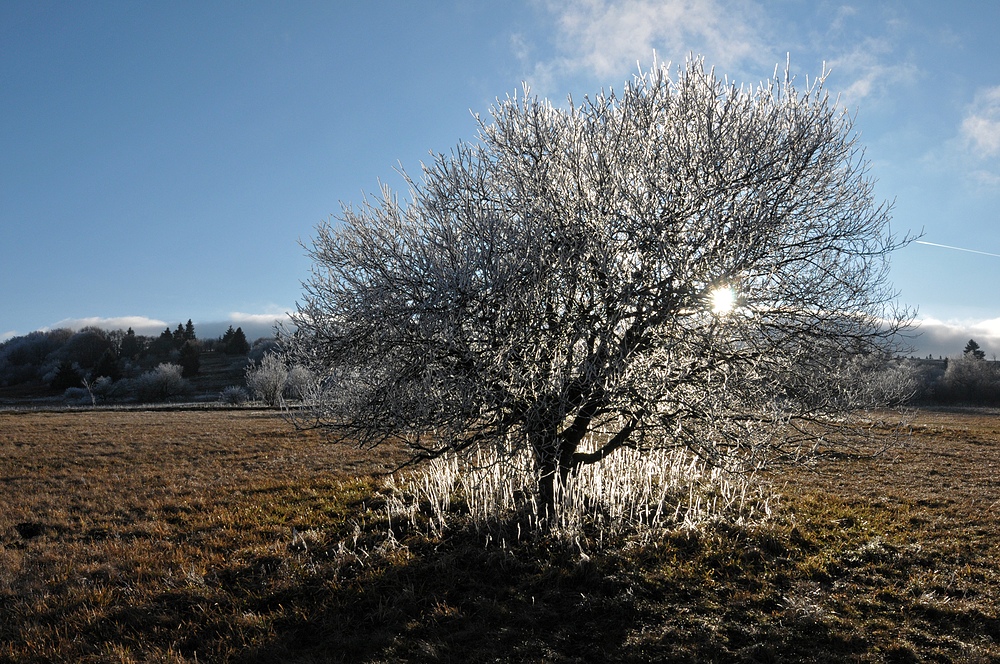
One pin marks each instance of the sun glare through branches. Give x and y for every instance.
(723, 300)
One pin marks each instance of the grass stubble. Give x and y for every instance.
(230, 537)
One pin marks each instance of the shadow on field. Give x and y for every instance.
(724, 595)
(459, 602)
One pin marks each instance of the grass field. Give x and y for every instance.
(168, 537)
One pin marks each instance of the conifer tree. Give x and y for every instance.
(179, 336)
(972, 350)
(131, 346)
(190, 359)
(163, 344)
(67, 376)
(234, 342)
(239, 344)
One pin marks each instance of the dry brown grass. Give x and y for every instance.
(118, 529)
(167, 536)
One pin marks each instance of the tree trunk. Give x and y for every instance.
(555, 461)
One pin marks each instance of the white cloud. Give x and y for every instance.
(975, 147)
(841, 16)
(140, 324)
(871, 70)
(607, 39)
(980, 128)
(4, 336)
(269, 319)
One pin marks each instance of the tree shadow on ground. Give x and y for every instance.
(457, 601)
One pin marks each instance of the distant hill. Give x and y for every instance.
(93, 365)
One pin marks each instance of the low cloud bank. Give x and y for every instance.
(948, 338)
(254, 326)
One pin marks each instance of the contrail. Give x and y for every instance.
(948, 246)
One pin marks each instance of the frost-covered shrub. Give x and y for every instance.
(161, 384)
(267, 380)
(630, 493)
(272, 380)
(298, 382)
(905, 381)
(234, 395)
(99, 390)
(102, 389)
(76, 396)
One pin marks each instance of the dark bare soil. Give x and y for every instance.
(168, 537)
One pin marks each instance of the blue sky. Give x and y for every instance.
(161, 161)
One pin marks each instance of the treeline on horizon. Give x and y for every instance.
(94, 365)
(116, 365)
(965, 379)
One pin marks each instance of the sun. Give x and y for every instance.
(723, 300)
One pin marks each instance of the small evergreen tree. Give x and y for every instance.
(131, 346)
(234, 342)
(162, 345)
(178, 336)
(239, 343)
(189, 331)
(972, 350)
(190, 359)
(66, 377)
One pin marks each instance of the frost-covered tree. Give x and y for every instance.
(266, 380)
(271, 381)
(689, 262)
(968, 379)
(163, 383)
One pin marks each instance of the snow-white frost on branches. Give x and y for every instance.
(555, 280)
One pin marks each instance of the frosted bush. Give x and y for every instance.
(234, 395)
(76, 396)
(298, 382)
(629, 493)
(272, 381)
(267, 380)
(161, 384)
(101, 389)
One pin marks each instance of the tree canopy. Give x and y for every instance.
(689, 262)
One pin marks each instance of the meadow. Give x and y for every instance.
(229, 536)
